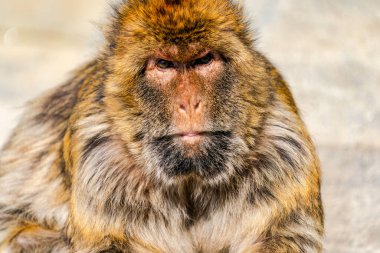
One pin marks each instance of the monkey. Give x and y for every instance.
(179, 136)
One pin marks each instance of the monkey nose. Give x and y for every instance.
(190, 107)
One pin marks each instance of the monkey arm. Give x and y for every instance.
(33, 191)
(34, 238)
(295, 225)
(31, 219)
(297, 216)
(296, 233)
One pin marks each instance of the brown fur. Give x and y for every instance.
(80, 172)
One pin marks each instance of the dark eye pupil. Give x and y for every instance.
(206, 59)
(164, 64)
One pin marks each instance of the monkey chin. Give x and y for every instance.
(191, 142)
(203, 154)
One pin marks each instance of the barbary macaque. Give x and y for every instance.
(178, 137)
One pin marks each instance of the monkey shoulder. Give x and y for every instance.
(33, 185)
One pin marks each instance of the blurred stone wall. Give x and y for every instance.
(328, 51)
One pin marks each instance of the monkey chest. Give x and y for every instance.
(219, 233)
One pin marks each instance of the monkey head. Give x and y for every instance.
(186, 90)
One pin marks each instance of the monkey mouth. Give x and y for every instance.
(191, 137)
(196, 134)
(183, 153)
(190, 134)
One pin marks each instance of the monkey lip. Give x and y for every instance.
(190, 134)
(190, 137)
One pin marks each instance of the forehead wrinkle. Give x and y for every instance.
(182, 54)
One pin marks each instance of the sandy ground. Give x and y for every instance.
(327, 50)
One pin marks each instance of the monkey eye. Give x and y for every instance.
(204, 60)
(164, 64)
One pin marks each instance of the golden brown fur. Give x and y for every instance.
(88, 168)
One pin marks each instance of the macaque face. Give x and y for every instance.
(190, 87)
(186, 83)
(186, 86)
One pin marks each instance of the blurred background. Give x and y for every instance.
(328, 51)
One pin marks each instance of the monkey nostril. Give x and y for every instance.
(189, 107)
(197, 105)
(182, 107)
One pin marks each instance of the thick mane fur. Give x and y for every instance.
(79, 173)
